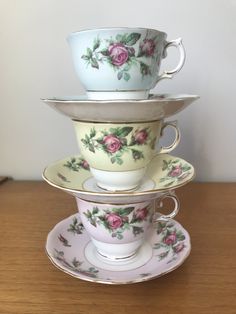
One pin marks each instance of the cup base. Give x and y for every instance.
(117, 259)
(118, 180)
(117, 252)
(106, 95)
(143, 255)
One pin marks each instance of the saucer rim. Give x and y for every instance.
(156, 99)
(116, 193)
(124, 282)
(111, 282)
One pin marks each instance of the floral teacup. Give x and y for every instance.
(118, 231)
(118, 153)
(121, 63)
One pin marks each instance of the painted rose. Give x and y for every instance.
(170, 239)
(114, 221)
(178, 248)
(141, 137)
(112, 143)
(141, 213)
(85, 165)
(175, 171)
(118, 53)
(148, 47)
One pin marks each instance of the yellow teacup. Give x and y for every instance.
(118, 153)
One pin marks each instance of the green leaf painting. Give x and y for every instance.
(123, 52)
(115, 142)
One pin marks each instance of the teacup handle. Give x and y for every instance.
(167, 149)
(159, 204)
(178, 44)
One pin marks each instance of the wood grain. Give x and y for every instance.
(29, 283)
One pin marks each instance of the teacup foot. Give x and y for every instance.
(117, 252)
(142, 255)
(118, 180)
(106, 95)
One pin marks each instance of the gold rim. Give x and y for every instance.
(115, 29)
(116, 90)
(166, 98)
(115, 282)
(115, 194)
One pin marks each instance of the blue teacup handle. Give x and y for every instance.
(178, 44)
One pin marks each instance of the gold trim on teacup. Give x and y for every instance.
(115, 29)
(116, 91)
(130, 190)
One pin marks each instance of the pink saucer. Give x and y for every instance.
(69, 248)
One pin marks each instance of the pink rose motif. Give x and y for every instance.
(170, 239)
(179, 247)
(141, 137)
(141, 213)
(85, 165)
(114, 220)
(148, 47)
(118, 53)
(112, 143)
(175, 171)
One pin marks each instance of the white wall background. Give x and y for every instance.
(35, 62)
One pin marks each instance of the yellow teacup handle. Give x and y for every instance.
(159, 204)
(167, 149)
(178, 44)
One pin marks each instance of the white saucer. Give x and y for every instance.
(154, 108)
(69, 248)
(164, 173)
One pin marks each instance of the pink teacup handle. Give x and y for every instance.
(167, 149)
(178, 44)
(159, 204)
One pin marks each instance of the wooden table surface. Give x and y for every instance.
(29, 283)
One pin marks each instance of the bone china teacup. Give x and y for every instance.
(118, 231)
(121, 63)
(118, 153)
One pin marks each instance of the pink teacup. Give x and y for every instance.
(118, 231)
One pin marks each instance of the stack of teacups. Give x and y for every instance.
(122, 64)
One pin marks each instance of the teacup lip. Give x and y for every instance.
(116, 28)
